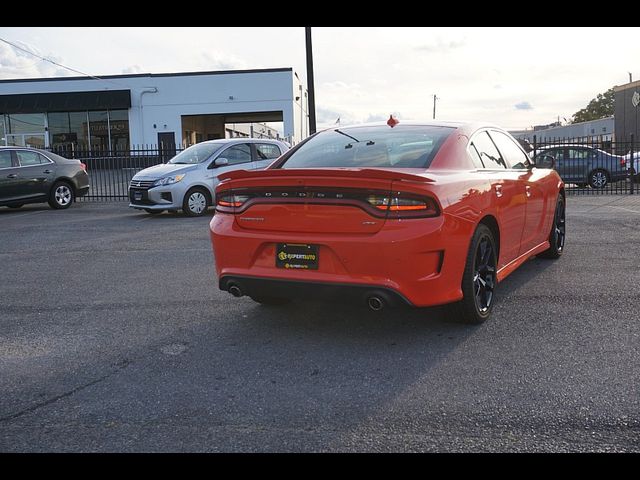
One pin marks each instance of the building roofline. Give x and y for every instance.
(148, 75)
(626, 86)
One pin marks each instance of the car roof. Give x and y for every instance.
(464, 127)
(557, 145)
(18, 146)
(240, 140)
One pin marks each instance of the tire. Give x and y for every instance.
(557, 235)
(479, 279)
(195, 203)
(274, 301)
(598, 178)
(153, 212)
(61, 195)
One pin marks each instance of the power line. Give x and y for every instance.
(58, 64)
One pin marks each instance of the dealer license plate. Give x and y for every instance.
(297, 256)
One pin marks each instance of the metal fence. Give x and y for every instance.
(591, 167)
(111, 171)
(587, 167)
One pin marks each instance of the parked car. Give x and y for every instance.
(585, 165)
(30, 175)
(634, 164)
(188, 180)
(418, 214)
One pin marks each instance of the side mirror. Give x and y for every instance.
(220, 162)
(546, 161)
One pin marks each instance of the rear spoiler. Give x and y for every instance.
(385, 174)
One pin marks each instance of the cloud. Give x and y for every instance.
(523, 106)
(441, 46)
(377, 117)
(328, 116)
(15, 63)
(132, 69)
(223, 61)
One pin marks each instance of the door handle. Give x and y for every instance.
(527, 190)
(12, 175)
(47, 171)
(498, 191)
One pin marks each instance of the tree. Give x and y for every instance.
(599, 107)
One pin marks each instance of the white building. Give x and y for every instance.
(600, 130)
(119, 112)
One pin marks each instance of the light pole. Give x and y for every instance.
(434, 105)
(310, 86)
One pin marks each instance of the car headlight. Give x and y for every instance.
(168, 180)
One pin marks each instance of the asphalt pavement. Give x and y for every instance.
(114, 337)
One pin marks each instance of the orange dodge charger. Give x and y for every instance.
(420, 214)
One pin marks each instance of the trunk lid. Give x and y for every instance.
(312, 200)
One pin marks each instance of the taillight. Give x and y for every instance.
(404, 206)
(83, 166)
(232, 200)
(227, 202)
(377, 203)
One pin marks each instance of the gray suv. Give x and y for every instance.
(582, 164)
(189, 179)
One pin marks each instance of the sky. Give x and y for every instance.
(512, 77)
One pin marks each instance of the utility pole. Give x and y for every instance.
(630, 77)
(310, 86)
(434, 105)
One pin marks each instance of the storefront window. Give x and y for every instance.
(68, 131)
(99, 130)
(20, 123)
(119, 130)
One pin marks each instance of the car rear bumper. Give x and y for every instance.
(419, 261)
(310, 290)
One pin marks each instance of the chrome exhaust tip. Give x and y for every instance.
(375, 303)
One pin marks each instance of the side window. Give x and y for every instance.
(267, 151)
(475, 156)
(488, 152)
(557, 153)
(5, 159)
(510, 150)
(579, 153)
(27, 158)
(237, 154)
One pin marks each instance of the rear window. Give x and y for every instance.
(380, 146)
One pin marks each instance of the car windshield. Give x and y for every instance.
(380, 146)
(196, 153)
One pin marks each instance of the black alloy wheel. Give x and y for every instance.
(558, 232)
(479, 279)
(484, 274)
